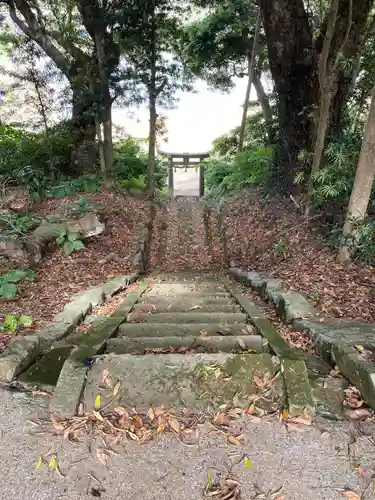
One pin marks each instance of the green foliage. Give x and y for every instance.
(12, 322)
(361, 244)
(33, 159)
(18, 224)
(70, 242)
(83, 206)
(89, 183)
(9, 282)
(130, 165)
(334, 180)
(248, 168)
(256, 136)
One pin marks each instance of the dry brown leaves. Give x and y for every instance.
(302, 258)
(221, 487)
(355, 407)
(298, 423)
(59, 277)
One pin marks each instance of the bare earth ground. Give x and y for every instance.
(318, 463)
(267, 235)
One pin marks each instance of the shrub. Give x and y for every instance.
(9, 282)
(33, 159)
(248, 168)
(130, 165)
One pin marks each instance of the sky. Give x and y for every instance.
(197, 119)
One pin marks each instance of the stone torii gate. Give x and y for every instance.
(185, 160)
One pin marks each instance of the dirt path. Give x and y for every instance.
(308, 466)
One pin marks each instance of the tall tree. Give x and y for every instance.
(293, 52)
(327, 77)
(57, 28)
(150, 33)
(361, 191)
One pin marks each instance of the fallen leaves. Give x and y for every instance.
(298, 423)
(350, 495)
(220, 487)
(50, 460)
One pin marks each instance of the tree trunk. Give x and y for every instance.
(151, 148)
(152, 108)
(326, 82)
(362, 187)
(291, 59)
(250, 72)
(99, 138)
(84, 153)
(265, 104)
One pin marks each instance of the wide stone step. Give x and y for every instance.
(140, 345)
(200, 382)
(190, 300)
(176, 289)
(187, 317)
(186, 306)
(181, 330)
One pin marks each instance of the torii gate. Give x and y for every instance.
(185, 160)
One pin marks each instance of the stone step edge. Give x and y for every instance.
(71, 380)
(238, 344)
(187, 317)
(298, 390)
(24, 351)
(184, 329)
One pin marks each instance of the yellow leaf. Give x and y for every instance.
(98, 402)
(116, 389)
(52, 463)
(39, 462)
(160, 428)
(248, 464)
(360, 348)
(285, 414)
(233, 440)
(98, 415)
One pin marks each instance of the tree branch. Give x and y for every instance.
(36, 32)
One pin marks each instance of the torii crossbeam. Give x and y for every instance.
(185, 160)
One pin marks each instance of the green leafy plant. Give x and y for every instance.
(83, 206)
(248, 168)
(89, 183)
(18, 224)
(70, 242)
(9, 282)
(12, 322)
(365, 240)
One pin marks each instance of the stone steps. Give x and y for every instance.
(200, 382)
(140, 345)
(186, 306)
(180, 330)
(187, 317)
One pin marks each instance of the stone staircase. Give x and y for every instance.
(187, 342)
(189, 312)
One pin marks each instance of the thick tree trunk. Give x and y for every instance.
(84, 152)
(362, 187)
(265, 104)
(292, 57)
(292, 64)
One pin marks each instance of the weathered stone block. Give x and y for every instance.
(292, 305)
(359, 372)
(299, 393)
